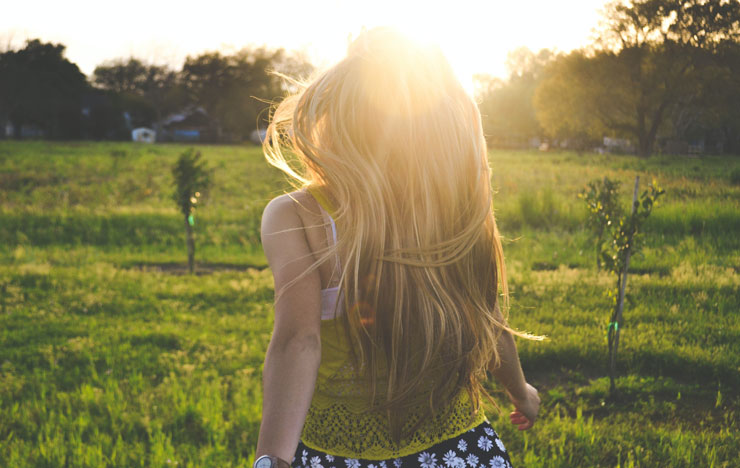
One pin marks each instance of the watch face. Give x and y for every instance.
(263, 462)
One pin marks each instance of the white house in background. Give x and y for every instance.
(144, 135)
(258, 136)
(621, 145)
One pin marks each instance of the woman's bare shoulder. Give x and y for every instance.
(289, 210)
(282, 229)
(298, 202)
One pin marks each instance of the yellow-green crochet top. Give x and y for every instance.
(341, 421)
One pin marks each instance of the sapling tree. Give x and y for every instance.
(192, 181)
(617, 237)
(604, 210)
(117, 155)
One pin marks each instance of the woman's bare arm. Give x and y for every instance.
(509, 373)
(294, 353)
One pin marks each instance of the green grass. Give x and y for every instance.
(109, 356)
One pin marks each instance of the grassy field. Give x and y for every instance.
(110, 356)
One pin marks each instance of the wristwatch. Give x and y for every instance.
(268, 461)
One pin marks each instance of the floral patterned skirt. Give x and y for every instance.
(479, 447)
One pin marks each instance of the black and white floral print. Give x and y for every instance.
(480, 447)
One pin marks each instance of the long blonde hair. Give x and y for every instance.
(391, 138)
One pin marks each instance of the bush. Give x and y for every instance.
(735, 176)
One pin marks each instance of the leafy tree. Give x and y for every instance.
(235, 89)
(617, 238)
(711, 111)
(131, 76)
(702, 24)
(602, 198)
(643, 74)
(149, 92)
(726, 106)
(570, 97)
(39, 86)
(192, 181)
(667, 50)
(506, 106)
(626, 94)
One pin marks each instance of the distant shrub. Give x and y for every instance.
(735, 176)
(192, 180)
(604, 211)
(529, 209)
(117, 155)
(539, 210)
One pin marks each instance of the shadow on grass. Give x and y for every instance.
(649, 362)
(661, 271)
(206, 268)
(660, 398)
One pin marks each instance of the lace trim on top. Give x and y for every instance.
(341, 422)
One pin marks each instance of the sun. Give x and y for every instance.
(477, 35)
(453, 50)
(468, 45)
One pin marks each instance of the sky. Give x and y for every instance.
(475, 35)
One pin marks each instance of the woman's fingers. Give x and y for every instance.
(525, 408)
(516, 416)
(524, 427)
(518, 419)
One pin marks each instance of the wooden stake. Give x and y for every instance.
(191, 245)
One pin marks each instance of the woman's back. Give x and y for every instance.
(341, 419)
(392, 146)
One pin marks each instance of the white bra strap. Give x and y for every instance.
(333, 234)
(333, 228)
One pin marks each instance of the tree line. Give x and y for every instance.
(663, 74)
(42, 93)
